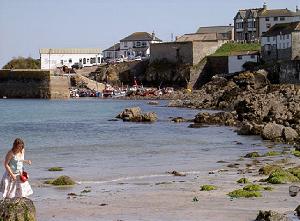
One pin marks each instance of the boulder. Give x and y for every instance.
(298, 211)
(153, 103)
(289, 134)
(245, 129)
(272, 131)
(271, 216)
(220, 118)
(17, 209)
(135, 114)
(179, 120)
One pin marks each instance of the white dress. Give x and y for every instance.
(15, 188)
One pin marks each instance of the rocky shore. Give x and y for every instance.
(251, 103)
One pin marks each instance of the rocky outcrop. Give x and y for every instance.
(221, 118)
(258, 108)
(17, 209)
(271, 216)
(134, 114)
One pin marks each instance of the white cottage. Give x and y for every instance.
(52, 58)
(237, 60)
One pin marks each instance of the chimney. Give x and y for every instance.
(153, 35)
(265, 6)
(297, 9)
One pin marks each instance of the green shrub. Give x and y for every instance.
(296, 153)
(268, 188)
(208, 188)
(227, 48)
(272, 153)
(23, 63)
(244, 193)
(267, 169)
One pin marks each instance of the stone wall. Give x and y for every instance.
(174, 52)
(290, 72)
(296, 45)
(32, 84)
(276, 54)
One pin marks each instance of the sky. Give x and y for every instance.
(26, 26)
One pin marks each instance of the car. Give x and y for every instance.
(77, 65)
(138, 58)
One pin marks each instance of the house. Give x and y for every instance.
(198, 37)
(281, 42)
(112, 52)
(246, 24)
(236, 60)
(137, 44)
(269, 18)
(52, 58)
(222, 32)
(250, 24)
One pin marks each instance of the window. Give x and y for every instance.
(268, 39)
(240, 57)
(138, 44)
(283, 37)
(275, 18)
(70, 60)
(84, 61)
(267, 19)
(282, 18)
(283, 46)
(274, 46)
(274, 38)
(80, 60)
(99, 60)
(88, 60)
(268, 26)
(288, 45)
(287, 36)
(61, 62)
(252, 56)
(144, 43)
(125, 44)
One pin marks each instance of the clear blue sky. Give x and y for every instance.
(27, 25)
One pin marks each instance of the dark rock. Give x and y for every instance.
(271, 216)
(178, 120)
(153, 103)
(17, 209)
(289, 134)
(196, 126)
(221, 118)
(135, 114)
(175, 173)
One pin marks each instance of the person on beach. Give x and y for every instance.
(11, 184)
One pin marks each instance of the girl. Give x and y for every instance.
(11, 185)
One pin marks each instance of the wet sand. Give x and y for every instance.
(167, 198)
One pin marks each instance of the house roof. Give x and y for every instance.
(236, 53)
(246, 13)
(70, 51)
(140, 36)
(277, 13)
(285, 28)
(115, 47)
(215, 29)
(197, 37)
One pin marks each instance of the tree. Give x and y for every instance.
(23, 63)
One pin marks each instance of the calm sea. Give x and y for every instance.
(78, 136)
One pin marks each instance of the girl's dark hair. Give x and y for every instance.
(17, 142)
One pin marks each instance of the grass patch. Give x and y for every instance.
(208, 188)
(272, 154)
(228, 48)
(85, 191)
(61, 181)
(253, 187)
(296, 153)
(252, 155)
(281, 177)
(55, 169)
(241, 193)
(243, 180)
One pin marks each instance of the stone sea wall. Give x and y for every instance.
(32, 84)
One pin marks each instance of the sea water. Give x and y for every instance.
(79, 136)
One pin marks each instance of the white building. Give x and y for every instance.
(269, 18)
(113, 52)
(238, 59)
(52, 58)
(137, 44)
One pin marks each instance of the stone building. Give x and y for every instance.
(222, 32)
(281, 42)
